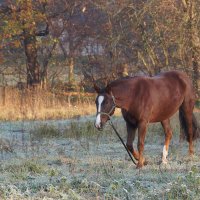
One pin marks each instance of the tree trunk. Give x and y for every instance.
(44, 79)
(190, 9)
(44, 73)
(33, 68)
(195, 40)
(30, 46)
(71, 71)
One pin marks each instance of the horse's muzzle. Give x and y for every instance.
(99, 127)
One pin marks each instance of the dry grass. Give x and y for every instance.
(42, 105)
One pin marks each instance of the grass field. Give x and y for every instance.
(71, 160)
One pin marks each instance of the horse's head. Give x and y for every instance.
(105, 104)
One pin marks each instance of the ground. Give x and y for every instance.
(69, 159)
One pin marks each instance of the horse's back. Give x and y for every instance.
(156, 98)
(177, 79)
(168, 92)
(159, 97)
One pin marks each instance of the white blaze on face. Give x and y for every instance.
(98, 118)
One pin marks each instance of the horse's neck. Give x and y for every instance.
(121, 98)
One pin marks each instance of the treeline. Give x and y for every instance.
(68, 44)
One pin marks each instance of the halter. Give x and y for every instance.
(112, 108)
(115, 130)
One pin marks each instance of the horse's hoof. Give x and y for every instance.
(164, 161)
(139, 166)
(191, 154)
(145, 162)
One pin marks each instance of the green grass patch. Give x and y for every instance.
(186, 187)
(45, 131)
(75, 130)
(78, 130)
(23, 170)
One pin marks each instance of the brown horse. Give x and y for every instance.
(145, 100)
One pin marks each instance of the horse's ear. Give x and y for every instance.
(97, 89)
(108, 89)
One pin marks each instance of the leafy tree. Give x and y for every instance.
(21, 24)
(127, 36)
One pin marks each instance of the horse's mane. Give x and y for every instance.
(123, 79)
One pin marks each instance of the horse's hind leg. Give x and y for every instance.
(186, 110)
(142, 127)
(168, 135)
(131, 131)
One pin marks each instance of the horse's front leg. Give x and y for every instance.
(142, 127)
(168, 136)
(131, 131)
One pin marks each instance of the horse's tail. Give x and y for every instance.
(184, 126)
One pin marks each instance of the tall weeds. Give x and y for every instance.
(27, 104)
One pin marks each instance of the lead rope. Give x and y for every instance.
(117, 133)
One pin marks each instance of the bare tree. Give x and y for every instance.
(191, 10)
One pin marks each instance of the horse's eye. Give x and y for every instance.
(106, 102)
